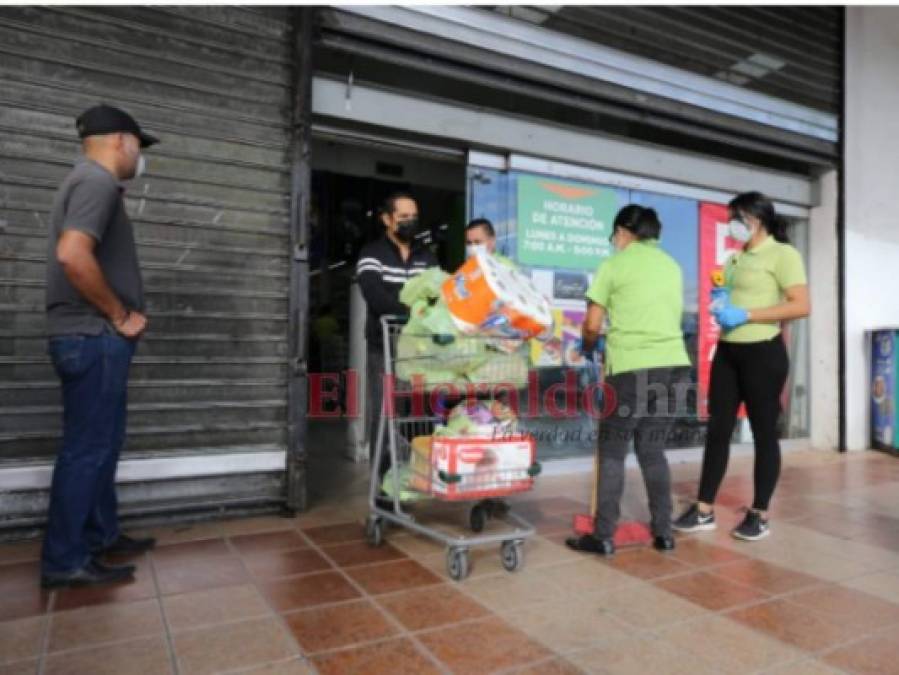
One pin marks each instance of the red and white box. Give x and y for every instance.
(465, 468)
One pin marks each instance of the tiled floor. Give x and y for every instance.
(280, 596)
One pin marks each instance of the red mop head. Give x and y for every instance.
(632, 533)
(583, 523)
(629, 533)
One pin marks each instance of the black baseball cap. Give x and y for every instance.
(106, 119)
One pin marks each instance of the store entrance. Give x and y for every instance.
(349, 182)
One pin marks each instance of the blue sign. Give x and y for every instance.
(883, 389)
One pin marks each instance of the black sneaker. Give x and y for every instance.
(589, 543)
(126, 545)
(692, 520)
(753, 527)
(663, 543)
(92, 574)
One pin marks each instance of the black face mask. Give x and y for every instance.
(406, 230)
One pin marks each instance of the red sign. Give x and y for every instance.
(715, 247)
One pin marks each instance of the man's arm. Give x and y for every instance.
(75, 253)
(379, 300)
(592, 328)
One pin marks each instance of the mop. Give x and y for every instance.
(628, 533)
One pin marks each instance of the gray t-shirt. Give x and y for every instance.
(90, 201)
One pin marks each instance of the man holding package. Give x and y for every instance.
(383, 268)
(640, 289)
(481, 235)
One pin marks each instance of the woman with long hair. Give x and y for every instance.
(767, 286)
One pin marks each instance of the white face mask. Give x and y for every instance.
(141, 166)
(472, 250)
(739, 230)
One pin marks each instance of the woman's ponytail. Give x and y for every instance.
(778, 229)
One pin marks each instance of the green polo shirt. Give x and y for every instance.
(641, 289)
(757, 279)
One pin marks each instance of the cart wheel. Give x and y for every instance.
(374, 531)
(512, 554)
(457, 563)
(478, 518)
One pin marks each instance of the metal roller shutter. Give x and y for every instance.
(212, 219)
(692, 78)
(792, 53)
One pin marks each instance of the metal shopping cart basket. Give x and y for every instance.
(476, 471)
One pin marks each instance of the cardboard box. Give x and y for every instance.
(472, 468)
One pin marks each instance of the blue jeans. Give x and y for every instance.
(83, 513)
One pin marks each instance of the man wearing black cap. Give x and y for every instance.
(95, 315)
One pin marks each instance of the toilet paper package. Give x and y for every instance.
(485, 297)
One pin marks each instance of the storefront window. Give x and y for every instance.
(563, 269)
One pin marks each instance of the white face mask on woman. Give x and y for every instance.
(739, 230)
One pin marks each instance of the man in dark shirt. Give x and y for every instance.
(383, 268)
(95, 315)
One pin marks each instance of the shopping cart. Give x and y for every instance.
(476, 478)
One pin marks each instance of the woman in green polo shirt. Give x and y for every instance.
(640, 289)
(767, 286)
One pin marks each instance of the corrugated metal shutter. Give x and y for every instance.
(683, 87)
(211, 217)
(793, 53)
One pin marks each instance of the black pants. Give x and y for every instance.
(375, 376)
(752, 373)
(645, 411)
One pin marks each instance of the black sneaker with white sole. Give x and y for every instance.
(753, 527)
(694, 520)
